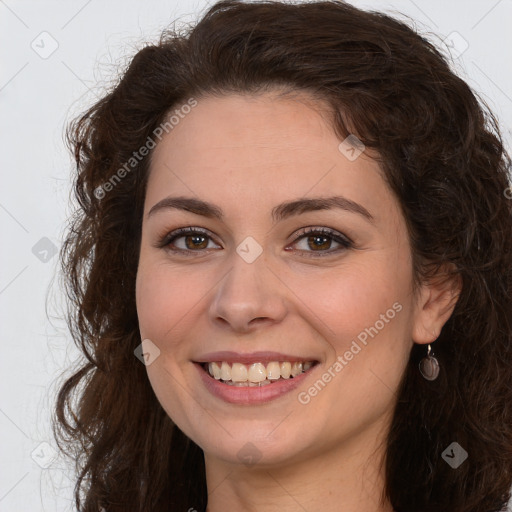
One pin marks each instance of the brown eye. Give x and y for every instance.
(195, 241)
(184, 239)
(320, 240)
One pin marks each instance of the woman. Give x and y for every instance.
(290, 274)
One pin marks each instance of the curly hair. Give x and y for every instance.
(442, 154)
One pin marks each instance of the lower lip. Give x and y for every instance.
(250, 395)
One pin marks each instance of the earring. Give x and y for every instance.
(429, 366)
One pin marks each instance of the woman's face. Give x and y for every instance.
(251, 288)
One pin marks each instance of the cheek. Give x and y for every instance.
(347, 300)
(363, 313)
(164, 298)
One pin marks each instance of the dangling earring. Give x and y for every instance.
(429, 366)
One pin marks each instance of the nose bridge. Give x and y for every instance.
(248, 291)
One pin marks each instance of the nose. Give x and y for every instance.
(249, 295)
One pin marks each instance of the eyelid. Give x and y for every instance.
(336, 236)
(169, 237)
(322, 230)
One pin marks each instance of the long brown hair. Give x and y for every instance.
(441, 152)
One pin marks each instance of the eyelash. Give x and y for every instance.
(344, 241)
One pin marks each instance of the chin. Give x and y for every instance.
(253, 445)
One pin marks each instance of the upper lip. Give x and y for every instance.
(250, 357)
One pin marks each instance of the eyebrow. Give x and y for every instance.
(280, 212)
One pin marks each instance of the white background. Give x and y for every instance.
(37, 97)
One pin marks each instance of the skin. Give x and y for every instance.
(246, 154)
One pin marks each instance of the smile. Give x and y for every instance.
(253, 379)
(256, 374)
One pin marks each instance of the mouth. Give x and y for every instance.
(255, 374)
(251, 379)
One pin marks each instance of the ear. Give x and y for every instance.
(435, 302)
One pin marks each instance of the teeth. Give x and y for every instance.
(296, 369)
(256, 374)
(214, 370)
(286, 370)
(238, 372)
(225, 371)
(273, 371)
(247, 384)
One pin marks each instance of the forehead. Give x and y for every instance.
(240, 147)
(261, 121)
